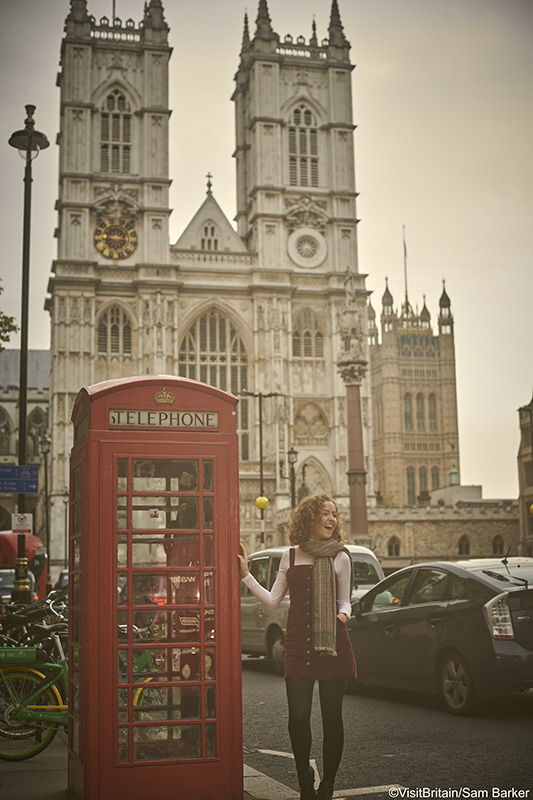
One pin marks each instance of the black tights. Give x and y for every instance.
(300, 698)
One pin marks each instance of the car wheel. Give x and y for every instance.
(277, 652)
(456, 685)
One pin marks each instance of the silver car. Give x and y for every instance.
(263, 631)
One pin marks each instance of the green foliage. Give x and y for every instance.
(7, 326)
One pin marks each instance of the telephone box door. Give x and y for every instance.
(167, 638)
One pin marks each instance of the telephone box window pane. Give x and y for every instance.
(209, 624)
(208, 512)
(122, 550)
(75, 590)
(210, 702)
(209, 587)
(122, 513)
(185, 663)
(182, 550)
(185, 516)
(167, 742)
(76, 518)
(122, 588)
(170, 626)
(75, 554)
(74, 663)
(161, 704)
(209, 663)
(210, 740)
(74, 730)
(165, 475)
(122, 666)
(186, 626)
(75, 625)
(148, 589)
(122, 625)
(185, 588)
(76, 483)
(208, 476)
(209, 551)
(122, 705)
(122, 475)
(123, 737)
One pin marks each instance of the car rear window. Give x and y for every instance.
(364, 570)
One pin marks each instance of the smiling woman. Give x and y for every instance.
(317, 570)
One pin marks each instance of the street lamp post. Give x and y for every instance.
(261, 505)
(292, 457)
(45, 444)
(29, 143)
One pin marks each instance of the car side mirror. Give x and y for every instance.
(357, 609)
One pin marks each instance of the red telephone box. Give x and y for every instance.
(154, 652)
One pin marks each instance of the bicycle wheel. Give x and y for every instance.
(150, 703)
(21, 738)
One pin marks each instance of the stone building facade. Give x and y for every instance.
(37, 427)
(252, 310)
(525, 478)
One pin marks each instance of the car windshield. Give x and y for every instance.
(514, 574)
(7, 578)
(364, 570)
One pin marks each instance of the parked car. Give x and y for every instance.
(62, 580)
(263, 631)
(461, 629)
(7, 579)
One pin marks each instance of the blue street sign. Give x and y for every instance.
(18, 480)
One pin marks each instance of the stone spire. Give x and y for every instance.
(313, 41)
(338, 43)
(245, 34)
(265, 39)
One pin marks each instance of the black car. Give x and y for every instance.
(461, 629)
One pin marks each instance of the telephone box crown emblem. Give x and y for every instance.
(164, 397)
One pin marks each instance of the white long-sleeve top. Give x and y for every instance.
(271, 599)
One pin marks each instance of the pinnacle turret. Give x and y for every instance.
(335, 30)
(245, 34)
(263, 23)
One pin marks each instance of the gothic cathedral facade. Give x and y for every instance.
(254, 311)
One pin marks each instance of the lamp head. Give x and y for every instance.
(29, 138)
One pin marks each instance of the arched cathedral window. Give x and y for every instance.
(393, 546)
(307, 337)
(464, 546)
(497, 545)
(407, 412)
(435, 478)
(303, 147)
(36, 429)
(5, 433)
(114, 332)
(432, 413)
(115, 134)
(213, 352)
(411, 495)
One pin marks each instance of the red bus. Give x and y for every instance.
(35, 553)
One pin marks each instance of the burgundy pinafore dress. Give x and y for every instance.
(300, 659)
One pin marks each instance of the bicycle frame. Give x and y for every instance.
(30, 709)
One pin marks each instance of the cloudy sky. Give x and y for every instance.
(444, 114)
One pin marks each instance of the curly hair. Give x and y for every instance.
(307, 514)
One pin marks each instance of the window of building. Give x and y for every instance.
(307, 337)
(464, 546)
(497, 546)
(435, 478)
(419, 412)
(411, 494)
(5, 432)
(303, 148)
(423, 479)
(528, 473)
(213, 352)
(432, 413)
(393, 546)
(114, 332)
(209, 240)
(115, 133)
(407, 412)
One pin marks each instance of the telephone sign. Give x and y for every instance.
(154, 606)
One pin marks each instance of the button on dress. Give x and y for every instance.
(300, 659)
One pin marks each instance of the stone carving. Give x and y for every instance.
(304, 212)
(114, 200)
(352, 363)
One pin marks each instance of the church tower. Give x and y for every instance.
(414, 396)
(106, 315)
(296, 212)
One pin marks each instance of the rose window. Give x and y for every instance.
(307, 247)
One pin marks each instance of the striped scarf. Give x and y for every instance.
(324, 599)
